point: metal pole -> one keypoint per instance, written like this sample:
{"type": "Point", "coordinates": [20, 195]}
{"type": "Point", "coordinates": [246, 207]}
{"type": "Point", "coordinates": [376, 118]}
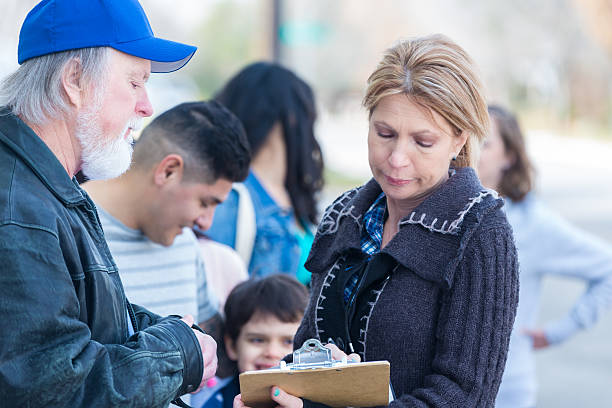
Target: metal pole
{"type": "Point", "coordinates": [276, 22]}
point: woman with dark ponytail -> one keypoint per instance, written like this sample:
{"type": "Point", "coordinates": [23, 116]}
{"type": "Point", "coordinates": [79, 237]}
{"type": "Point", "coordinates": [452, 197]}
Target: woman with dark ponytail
{"type": "Point", "coordinates": [278, 112]}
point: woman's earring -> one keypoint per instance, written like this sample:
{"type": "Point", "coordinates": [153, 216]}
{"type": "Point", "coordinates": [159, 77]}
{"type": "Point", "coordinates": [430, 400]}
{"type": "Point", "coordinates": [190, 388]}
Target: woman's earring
{"type": "Point", "coordinates": [454, 158]}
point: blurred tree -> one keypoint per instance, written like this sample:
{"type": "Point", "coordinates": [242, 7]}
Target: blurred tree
{"type": "Point", "coordinates": [12, 14]}
{"type": "Point", "coordinates": [233, 33]}
{"type": "Point", "coordinates": [598, 17]}
{"type": "Point", "coordinates": [535, 56]}
{"type": "Point", "coordinates": [549, 56]}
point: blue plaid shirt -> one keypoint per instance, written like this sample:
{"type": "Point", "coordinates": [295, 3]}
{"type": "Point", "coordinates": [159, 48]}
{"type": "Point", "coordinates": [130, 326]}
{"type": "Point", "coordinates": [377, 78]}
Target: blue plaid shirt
{"type": "Point", "coordinates": [371, 238]}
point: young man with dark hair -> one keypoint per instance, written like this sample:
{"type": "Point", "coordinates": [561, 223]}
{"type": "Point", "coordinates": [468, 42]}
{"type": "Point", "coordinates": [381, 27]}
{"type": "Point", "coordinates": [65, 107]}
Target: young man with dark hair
{"type": "Point", "coordinates": [183, 166]}
{"type": "Point", "coordinates": [261, 318]}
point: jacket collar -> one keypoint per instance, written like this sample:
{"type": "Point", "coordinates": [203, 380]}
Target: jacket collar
{"type": "Point", "coordinates": [430, 241]}
{"type": "Point", "coordinates": [30, 149]}
{"type": "Point", "coordinates": [446, 209]}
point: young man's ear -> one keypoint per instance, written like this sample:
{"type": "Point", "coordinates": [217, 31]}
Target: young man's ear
{"type": "Point", "coordinates": [230, 348]}
{"type": "Point", "coordinates": [169, 169]}
{"type": "Point", "coordinates": [72, 82]}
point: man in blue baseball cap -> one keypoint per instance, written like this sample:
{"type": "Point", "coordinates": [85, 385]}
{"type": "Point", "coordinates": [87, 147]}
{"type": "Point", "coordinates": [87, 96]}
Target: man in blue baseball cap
{"type": "Point", "coordinates": [69, 336]}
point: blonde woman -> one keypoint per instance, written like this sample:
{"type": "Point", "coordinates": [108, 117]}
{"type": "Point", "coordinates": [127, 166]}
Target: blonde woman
{"type": "Point", "coordinates": [418, 266]}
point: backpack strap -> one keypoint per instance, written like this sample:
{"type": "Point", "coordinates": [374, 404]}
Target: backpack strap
{"type": "Point", "coordinates": [245, 223]}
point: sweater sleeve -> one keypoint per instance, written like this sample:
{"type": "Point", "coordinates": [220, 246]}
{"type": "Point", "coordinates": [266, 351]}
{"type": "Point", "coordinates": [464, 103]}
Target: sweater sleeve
{"type": "Point", "coordinates": [564, 250]}
{"type": "Point", "coordinates": [474, 325]}
{"type": "Point", "coordinates": [307, 329]}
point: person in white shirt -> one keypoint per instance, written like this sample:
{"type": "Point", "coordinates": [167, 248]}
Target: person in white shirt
{"type": "Point", "coordinates": [547, 245]}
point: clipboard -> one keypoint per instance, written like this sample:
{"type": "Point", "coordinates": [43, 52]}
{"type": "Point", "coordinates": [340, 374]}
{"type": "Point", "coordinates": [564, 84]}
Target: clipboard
{"type": "Point", "coordinates": [315, 376]}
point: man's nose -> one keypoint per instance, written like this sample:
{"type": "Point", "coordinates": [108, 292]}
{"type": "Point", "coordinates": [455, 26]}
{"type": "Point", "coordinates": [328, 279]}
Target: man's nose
{"type": "Point", "coordinates": [204, 221]}
{"type": "Point", "coordinates": [143, 106]}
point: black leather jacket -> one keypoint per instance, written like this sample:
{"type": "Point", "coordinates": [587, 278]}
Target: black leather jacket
{"type": "Point", "coordinates": [64, 338]}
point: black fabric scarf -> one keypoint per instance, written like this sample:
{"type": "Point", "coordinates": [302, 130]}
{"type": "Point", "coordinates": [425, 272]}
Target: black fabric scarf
{"type": "Point", "coordinates": [343, 323]}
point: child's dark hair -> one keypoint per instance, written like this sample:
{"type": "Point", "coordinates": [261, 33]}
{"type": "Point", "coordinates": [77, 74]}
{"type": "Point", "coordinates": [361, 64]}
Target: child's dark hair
{"type": "Point", "coordinates": [276, 295]}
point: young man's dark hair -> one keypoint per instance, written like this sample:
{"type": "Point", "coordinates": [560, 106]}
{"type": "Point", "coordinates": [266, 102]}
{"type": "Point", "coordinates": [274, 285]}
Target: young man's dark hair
{"type": "Point", "coordinates": [208, 137]}
{"type": "Point", "coordinates": [278, 295]}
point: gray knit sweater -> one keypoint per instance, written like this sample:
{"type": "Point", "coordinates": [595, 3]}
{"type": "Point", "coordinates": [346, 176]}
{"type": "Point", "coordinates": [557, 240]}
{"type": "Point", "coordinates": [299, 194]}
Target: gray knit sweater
{"type": "Point", "coordinates": [438, 302]}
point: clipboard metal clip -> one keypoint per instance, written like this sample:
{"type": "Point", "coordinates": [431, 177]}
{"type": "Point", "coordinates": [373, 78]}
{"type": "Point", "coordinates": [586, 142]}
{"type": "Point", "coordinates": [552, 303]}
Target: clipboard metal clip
{"type": "Point", "coordinates": [312, 355]}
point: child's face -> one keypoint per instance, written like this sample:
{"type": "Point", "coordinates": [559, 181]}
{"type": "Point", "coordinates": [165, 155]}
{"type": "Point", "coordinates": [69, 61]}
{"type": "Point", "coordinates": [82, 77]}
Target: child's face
{"type": "Point", "coordinates": [263, 342]}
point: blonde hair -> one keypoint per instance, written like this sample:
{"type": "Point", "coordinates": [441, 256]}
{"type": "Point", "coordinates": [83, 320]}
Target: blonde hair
{"type": "Point", "coordinates": [438, 75]}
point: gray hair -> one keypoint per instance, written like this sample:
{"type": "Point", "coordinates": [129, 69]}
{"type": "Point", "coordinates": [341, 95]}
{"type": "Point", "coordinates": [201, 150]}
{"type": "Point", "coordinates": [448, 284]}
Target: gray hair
{"type": "Point", "coordinates": [35, 93]}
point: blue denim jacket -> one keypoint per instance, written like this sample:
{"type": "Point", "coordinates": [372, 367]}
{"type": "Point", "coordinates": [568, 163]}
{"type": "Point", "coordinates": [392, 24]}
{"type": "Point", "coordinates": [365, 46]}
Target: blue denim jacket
{"type": "Point", "coordinates": [65, 339]}
{"type": "Point", "coordinates": [277, 247]}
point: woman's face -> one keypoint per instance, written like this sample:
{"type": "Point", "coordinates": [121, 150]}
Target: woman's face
{"type": "Point", "coordinates": [409, 148]}
{"type": "Point", "coordinates": [494, 159]}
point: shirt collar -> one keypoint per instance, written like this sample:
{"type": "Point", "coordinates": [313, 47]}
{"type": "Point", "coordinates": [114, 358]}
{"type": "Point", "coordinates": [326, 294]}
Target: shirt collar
{"type": "Point", "coordinates": [262, 200]}
{"type": "Point", "coordinates": [373, 223]}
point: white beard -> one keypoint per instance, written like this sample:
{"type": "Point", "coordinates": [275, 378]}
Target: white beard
{"type": "Point", "coordinates": [102, 159]}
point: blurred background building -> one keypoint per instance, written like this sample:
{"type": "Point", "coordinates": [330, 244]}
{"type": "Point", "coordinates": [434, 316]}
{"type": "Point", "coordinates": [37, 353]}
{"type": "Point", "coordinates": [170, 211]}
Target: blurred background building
{"type": "Point", "coordinates": [550, 60]}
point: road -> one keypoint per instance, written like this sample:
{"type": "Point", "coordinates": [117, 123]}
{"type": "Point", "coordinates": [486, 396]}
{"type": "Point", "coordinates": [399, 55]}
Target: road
{"type": "Point", "coordinates": [575, 179]}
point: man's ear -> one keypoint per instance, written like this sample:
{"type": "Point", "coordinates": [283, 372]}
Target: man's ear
{"type": "Point", "coordinates": [169, 169]}
{"type": "Point", "coordinates": [72, 82]}
{"type": "Point", "coordinates": [230, 348]}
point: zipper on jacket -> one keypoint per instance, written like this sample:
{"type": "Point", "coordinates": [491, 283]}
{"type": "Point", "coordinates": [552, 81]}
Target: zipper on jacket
{"type": "Point", "coordinates": [132, 317]}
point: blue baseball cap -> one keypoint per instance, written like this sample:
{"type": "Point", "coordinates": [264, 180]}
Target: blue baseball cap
{"type": "Point", "coordinates": [60, 25]}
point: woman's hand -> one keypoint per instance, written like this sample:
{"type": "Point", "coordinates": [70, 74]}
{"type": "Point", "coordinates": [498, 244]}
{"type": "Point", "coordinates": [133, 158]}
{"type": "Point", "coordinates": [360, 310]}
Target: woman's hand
{"type": "Point", "coordinates": [279, 396]}
{"type": "Point", "coordinates": [238, 402]}
{"type": "Point", "coordinates": [285, 400]}
{"type": "Point", "coordinates": [538, 338]}
{"type": "Point", "coordinates": [338, 354]}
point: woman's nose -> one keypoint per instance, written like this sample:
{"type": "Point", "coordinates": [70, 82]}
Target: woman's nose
{"type": "Point", "coordinates": [400, 155]}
